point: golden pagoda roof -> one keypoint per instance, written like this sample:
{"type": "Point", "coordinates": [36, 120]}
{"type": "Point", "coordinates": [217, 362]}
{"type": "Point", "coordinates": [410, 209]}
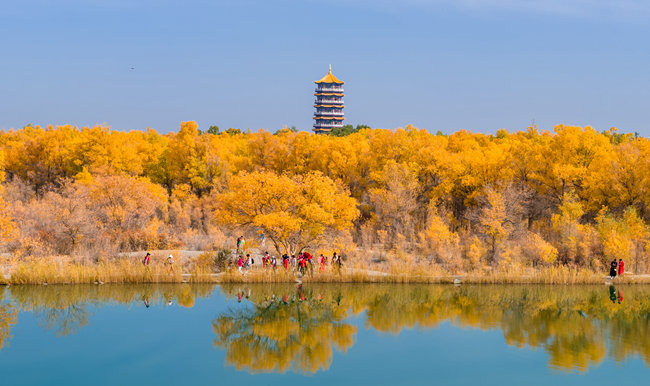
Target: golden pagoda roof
{"type": "Point", "coordinates": [329, 78]}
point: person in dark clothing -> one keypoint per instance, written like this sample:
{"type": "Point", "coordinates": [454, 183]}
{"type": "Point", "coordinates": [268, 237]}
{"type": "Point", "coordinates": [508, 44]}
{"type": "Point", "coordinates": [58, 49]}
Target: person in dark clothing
{"type": "Point", "coordinates": [612, 270]}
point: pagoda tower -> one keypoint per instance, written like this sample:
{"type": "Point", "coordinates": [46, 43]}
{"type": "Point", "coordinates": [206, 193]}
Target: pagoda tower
{"type": "Point", "coordinates": [329, 103]}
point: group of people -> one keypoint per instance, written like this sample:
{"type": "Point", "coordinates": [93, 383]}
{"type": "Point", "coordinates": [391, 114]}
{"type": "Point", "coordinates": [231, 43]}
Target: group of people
{"type": "Point", "coordinates": [169, 262]}
{"type": "Point", "coordinates": [616, 268]}
{"type": "Point", "coordinates": [302, 263]}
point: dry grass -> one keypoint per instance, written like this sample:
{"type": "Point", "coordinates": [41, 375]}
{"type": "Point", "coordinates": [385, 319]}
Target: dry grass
{"type": "Point", "coordinates": [428, 275]}
{"type": "Point", "coordinates": [51, 271]}
{"type": "Point", "coordinates": [57, 270]}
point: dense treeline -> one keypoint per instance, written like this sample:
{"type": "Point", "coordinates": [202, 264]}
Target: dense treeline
{"type": "Point", "coordinates": [464, 201]}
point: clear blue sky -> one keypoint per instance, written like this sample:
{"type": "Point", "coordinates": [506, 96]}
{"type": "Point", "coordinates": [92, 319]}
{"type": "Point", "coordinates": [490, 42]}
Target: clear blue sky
{"type": "Point", "coordinates": [442, 65]}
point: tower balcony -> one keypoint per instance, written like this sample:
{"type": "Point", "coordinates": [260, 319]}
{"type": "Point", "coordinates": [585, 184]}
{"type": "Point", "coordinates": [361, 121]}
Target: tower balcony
{"type": "Point", "coordinates": [320, 101]}
{"type": "Point", "coordinates": [329, 113]}
{"type": "Point", "coordinates": [329, 89]}
{"type": "Point", "coordinates": [328, 125]}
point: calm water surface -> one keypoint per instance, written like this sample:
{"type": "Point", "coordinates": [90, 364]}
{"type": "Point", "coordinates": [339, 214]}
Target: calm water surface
{"type": "Point", "coordinates": [324, 334]}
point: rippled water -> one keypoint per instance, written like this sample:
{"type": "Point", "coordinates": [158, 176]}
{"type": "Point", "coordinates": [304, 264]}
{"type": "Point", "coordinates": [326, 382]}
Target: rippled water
{"type": "Point", "coordinates": [324, 334]}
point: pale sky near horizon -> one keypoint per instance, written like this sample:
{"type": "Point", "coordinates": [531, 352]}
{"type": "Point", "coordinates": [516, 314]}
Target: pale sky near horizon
{"type": "Point", "coordinates": [478, 65]}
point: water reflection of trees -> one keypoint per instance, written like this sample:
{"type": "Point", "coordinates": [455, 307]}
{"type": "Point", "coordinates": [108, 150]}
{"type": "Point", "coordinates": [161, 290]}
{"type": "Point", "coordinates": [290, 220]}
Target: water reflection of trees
{"type": "Point", "coordinates": [67, 309]}
{"type": "Point", "coordinates": [7, 319]}
{"type": "Point", "coordinates": [292, 329]}
{"type": "Point", "coordinates": [281, 327]}
{"type": "Point", "coordinates": [577, 326]}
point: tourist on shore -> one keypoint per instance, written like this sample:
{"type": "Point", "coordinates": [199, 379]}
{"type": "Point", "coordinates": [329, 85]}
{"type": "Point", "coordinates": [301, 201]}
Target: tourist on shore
{"type": "Point", "coordinates": [621, 265]}
{"type": "Point", "coordinates": [302, 263]}
{"type": "Point", "coordinates": [240, 244]}
{"type": "Point", "coordinates": [285, 261]}
{"type": "Point", "coordinates": [274, 263]}
{"type": "Point", "coordinates": [309, 263]}
{"type": "Point", "coordinates": [323, 262]}
{"type": "Point", "coordinates": [170, 262]}
{"type": "Point", "coordinates": [294, 262]}
{"type": "Point", "coordinates": [240, 263]}
{"type": "Point", "coordinates": [249, 261]}
{"type": "Point", "coordinates": [146, 259]}
{"type": "Point", "coordinates": [612, 268]}
{"type": "Point", "coordinates": [338, 260]}
{"type": "Point", "coordinates": [266, 259]}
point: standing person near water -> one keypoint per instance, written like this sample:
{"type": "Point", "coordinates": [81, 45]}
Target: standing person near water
{"type": "Point", "coordinates": [621, 265]}
{"type": "Point", "coordinates": [323, 261]}
{"type": "Point", "coordinates": [170, 262]}
{"type": "Point", "coordinates": [612, 268]}
{"type": "Point", "coordinates": [146, 259]}
{"type": "Point", "coordinates": [240, 244]}
{"type": "Point", "coordinates": [240, 263]}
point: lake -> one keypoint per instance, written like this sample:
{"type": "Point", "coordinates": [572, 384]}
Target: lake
{"type": "Point", "coordinates": [324, 334]}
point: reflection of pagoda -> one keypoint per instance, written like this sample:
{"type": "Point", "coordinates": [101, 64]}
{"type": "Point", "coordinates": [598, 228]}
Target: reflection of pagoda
{"type": "Point", "coordinates": [329, 103]}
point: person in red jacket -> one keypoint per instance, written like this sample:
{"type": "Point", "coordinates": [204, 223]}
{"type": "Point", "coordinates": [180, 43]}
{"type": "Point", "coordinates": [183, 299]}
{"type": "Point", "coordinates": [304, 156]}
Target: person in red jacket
{"type": "Point", "coordinates": [145, 261]}
{"type": "Point", "coordinates": [621, 265]}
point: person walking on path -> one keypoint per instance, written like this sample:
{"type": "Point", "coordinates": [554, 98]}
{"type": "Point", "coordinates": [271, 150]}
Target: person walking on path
{"type": "Point", "coordinates": [338, 261]}
{"type": "Point", "coordinates": [146, 259]}
{"type": "Point", "coordinates": [323, 261]}
{"type": "Point", "coordinates": [612, 268]}
{"type": "Point", "coordinates": [240, 244]}
{"type": "Point", "coordinates": [170, 262]}
{"type": "Point", "coordinates": [240, 263]}
{"type": "Point", "coordinates": [621, 265]}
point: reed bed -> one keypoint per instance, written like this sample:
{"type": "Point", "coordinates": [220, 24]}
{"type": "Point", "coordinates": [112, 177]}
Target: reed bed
{"type": "Point", "coordinates": [124, 270]}
{"type": "Point", "coordinates": [429, 275]}
{"type": "Point", "coordinates": [48, 271]}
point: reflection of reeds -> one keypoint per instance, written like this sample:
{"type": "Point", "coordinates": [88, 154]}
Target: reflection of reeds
{"type": "Point", "coordinates": [38, 298]}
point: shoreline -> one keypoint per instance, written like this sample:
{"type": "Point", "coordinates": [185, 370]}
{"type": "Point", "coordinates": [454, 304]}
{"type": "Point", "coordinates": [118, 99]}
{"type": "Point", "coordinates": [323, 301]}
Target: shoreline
{"type": "Point", "coordinates": [200, 267]}
{"type": "Point", "coordinates": [355, 276]}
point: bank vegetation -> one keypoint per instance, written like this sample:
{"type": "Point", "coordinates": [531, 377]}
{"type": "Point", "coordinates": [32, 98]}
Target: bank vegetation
{"type": "Point", "coordinates": [407, 200]}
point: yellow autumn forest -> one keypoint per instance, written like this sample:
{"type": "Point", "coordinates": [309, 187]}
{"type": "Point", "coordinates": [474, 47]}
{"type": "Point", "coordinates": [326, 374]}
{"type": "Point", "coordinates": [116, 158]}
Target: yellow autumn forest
{"type": "Point", "coordinates": [454, 204]}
